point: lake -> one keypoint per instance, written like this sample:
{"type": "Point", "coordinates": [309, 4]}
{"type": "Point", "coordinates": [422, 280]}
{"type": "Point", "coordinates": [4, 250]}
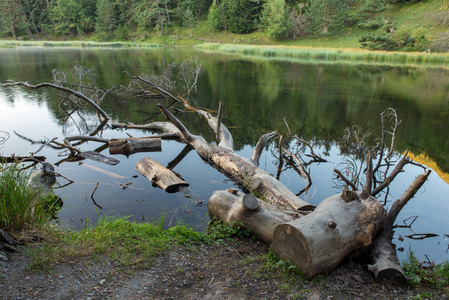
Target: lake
{"type": "Point", "coordinates": [317, 100]}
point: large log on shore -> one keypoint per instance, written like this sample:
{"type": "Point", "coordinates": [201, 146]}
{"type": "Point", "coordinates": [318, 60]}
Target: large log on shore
{"type": "Point", "coordinates": [258, 216]}
{"type": "Point", "coordinates": [318, 242]}
{"type": "Point", "coordinates": [160, 176]}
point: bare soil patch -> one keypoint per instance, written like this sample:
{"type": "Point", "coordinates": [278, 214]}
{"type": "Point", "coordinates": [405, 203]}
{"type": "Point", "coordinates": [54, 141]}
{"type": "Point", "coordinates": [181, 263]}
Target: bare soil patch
{"type": "Point", "coordinates": [231, 270]}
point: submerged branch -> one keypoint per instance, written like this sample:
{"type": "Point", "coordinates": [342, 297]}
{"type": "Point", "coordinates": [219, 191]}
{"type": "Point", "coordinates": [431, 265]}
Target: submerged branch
{"type": "Point", "coordinates": [64, 89]}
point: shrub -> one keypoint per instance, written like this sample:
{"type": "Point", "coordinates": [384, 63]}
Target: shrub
{"type": "Point", "coordinates": [441, 43]}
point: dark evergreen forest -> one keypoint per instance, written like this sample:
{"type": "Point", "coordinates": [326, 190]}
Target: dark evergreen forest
{"type": "Point", "coordinates": [118, 20]}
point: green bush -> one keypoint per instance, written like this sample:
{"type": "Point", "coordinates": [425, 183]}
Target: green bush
{"type": "Point", "coordinates": [217, 17]}
{"type": "Point", "coordinates": [375, 41]}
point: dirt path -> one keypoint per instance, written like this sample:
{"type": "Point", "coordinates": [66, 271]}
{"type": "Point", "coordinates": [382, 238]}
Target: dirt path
{"type": "Point", "coordinates": [223, 271]}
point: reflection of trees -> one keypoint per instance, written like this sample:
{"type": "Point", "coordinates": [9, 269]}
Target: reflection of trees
{"type": "Point", "coordinates": [318, 101]}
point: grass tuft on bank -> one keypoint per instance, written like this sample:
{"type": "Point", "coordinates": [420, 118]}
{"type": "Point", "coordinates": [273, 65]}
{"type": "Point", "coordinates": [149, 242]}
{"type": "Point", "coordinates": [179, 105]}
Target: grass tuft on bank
{"type": "Point", "coordinates": [21, 207]}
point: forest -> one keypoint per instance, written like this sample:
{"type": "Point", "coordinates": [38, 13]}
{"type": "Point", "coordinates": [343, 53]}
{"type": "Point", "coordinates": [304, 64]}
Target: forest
{"type": "Point", "coordinates": [278, 20]}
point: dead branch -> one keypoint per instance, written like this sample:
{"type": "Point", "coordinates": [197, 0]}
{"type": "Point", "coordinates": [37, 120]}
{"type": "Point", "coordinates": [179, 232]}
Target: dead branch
{"type": "Point", "coordinates": [260, 145]}
{"type": "Point", "coordinates": [403, 199]}
{"type": "Point", "coordinates": [180, 157]}
{"type": "Point", "coordinates": [219, 116]}
{"type": "Point", "coordinates": [281, 158]}
{"type": "Point", "coordinates": [346, 180]}
{"type": "Point", "coordinates": [64, 89]}
{"type": "Point", "coordinates": [421, 236]}
{"type": "Point", "coordinates": [4, 138]}
{"type": "Point", "coordinates": [397, 169]}
{"type": "Point", "coordinates": [225, 137]}
{"type": "Point", "coordinates": [386, 266]}
{"type": "Point", "coordinates": [302, 171]}
{"type": "Point", "coordinates": [92, 196]}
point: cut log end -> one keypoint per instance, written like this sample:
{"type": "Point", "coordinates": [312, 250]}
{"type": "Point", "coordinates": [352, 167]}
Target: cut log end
{"type": "Point", "coordinates": [390, 275]}
{"type": "Point", "coordinates": [250, 202]}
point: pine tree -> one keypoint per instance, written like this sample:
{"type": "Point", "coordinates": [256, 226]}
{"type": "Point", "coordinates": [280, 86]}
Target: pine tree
{"type": "Point", "coordinates": [327, 15]}
{"type": "Point", "coordinates": [216, 16]}
{"type": "Point", "coordinates": [275, 19]}
{"type": "Point", "coordinates": [106, 19]}
{"type": "Point", "coordinates": [242, 15]}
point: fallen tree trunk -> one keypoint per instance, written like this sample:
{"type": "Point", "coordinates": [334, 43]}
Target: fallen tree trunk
{"type": "Point", "coordinates": [318, 242]}
{"type": "Point", "coordinates": [241, 169]}
{"type": "Point", "coordinates": [386, 266]}
{"type": "Point", "coordinates": [128, 146]}
{"type": "Point", "coordinates": [160, 176]}
{"type": "Point", "coordinates": [258, 216]}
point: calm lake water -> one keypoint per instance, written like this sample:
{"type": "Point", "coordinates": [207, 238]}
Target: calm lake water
{"type": "Point", "coordinates": [318, 101]}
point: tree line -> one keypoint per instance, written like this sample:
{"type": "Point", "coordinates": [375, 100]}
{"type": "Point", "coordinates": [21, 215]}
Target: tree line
{"type": "Point", "coordinates": [128, 19]}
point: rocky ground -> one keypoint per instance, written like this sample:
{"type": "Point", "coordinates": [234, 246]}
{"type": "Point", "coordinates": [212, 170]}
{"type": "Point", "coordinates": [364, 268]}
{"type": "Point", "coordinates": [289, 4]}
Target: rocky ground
{"type": "Point", "coordinates": [222, 271]}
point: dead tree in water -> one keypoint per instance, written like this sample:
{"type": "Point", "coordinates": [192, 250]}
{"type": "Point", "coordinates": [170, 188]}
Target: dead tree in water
{"type": "Point", "coordinates": [315, 239]}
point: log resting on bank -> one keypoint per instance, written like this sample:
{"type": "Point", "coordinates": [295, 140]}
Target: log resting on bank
{"type": "Point", "coordinates": [241, 169]}
{"type": "Point", "coordinates": [318, 242]}
{"type": "Point", "coordinates": [386, 266]}
{"type": "Point", "coordinates": [258, 216]}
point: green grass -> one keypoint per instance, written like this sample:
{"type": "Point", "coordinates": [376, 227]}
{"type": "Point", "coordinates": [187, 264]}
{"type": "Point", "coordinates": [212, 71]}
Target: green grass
{"type": "Point", "coordinates": [128, 243]}
{"type": "Point", "coordinates": [329, 54]}
{"type": "Point", "coordinates": [419, 273]}
{"type": "Point", "coordinates": [21, 207]}
{"type": "Point", "coordinates": [81, 44]}
{"type": "Point", "coordinates": [116, 239]}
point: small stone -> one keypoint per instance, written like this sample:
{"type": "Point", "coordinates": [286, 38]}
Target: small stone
{"type": "Point", "coordinates": [102, 281]}
{"type": "Point", "coordinates": [61, 277]}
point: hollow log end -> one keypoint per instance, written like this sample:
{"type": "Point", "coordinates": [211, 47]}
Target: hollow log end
{"type": "Point", "coordinates": [392, 276]}
{"type": "Point", "coordinates": [174, 188]}
{"type": "Point", "coordinates": [250, 202]}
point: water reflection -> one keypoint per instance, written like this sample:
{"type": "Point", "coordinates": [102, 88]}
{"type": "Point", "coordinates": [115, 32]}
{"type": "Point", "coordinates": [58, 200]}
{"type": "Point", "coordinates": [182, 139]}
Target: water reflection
{"type": "Point", "coordinates": [318, 101]}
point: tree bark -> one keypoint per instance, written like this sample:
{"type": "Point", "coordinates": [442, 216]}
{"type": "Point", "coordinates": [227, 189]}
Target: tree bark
{"type": "Point", "coordinates": [386, 266]}
{"type": "Point", "coordinates": [318, 242]}
{"type": "Point", "coordinates": [258, 216]}
{"type": "Point", "coordinates": [160, 176]}
{"type": "Point", "coordinates": [128, 146]}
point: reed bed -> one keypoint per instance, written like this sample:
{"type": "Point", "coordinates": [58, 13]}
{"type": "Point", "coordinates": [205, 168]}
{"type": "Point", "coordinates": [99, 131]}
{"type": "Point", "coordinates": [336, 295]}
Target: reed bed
{"type": "Point", "coordinates": [329, 54]}
{"type": "Point", "coordinates": [82, 44]}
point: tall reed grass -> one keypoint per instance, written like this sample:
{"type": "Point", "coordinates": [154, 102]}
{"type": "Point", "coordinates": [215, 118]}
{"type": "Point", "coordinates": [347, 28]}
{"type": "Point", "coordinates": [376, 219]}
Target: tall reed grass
{"type": "Point", "coordinates": [21, 206]}
{"type": "Point", "coordinates": [82, 44]}
{"type": "Point", "coordinates": [329, 54]}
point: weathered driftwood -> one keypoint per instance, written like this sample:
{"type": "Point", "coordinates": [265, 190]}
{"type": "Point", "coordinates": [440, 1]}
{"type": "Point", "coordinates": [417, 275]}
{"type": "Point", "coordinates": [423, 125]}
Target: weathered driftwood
{"type": "Point", "coordinates": [160, 176]}
{"type": "Point", "coordinates": [128, 146]}
{"type": "Point", "coordinates": [386, 266]}
{"type": "Point", "coordinates": [318, 242]}
{"type": "Point", "coordinates": [93, 155]}
{"type": "Point", "coordinates": [241, 169]}
{"type": "Point", "coordinates": [258, 216]}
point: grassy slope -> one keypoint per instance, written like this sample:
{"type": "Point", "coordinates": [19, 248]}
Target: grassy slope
{"type": "Point", "coordinates": [430, 17]}
{"type": "Point", "coordinates": [417, 18]}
